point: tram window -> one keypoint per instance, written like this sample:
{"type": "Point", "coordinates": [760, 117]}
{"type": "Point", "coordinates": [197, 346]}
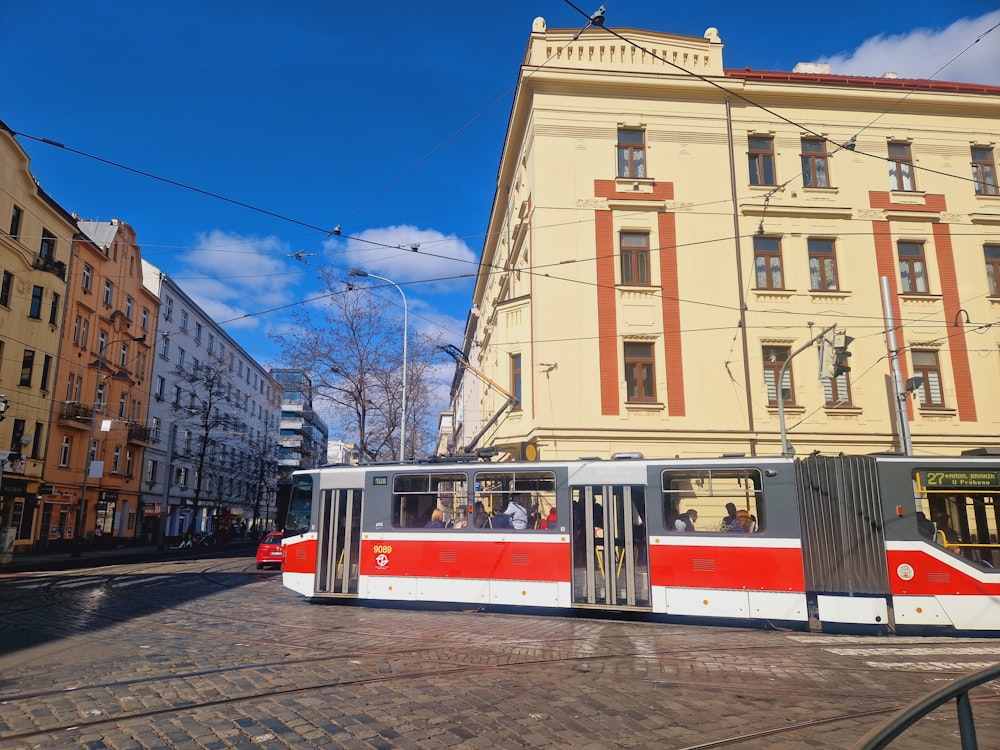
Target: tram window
{"type": "Point", "coordinates": [415, 496]}
{"type": "Point", "coordinates": [727, 500]}
{"type": "Point", "coordinates": [494, 488]}
{"type": "Point", "coordinates": [299, 516]}
{"type": "Point", "coordinates": [965, 523]}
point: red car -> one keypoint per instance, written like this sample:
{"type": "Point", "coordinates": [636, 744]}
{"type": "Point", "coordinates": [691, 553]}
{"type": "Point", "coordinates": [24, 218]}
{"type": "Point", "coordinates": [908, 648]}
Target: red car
{"type": "Point", "coordinates": [269, 552]}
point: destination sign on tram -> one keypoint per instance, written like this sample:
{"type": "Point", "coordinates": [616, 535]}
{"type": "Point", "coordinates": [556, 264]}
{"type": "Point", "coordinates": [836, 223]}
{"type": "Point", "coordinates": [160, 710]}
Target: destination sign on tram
{"type": "Point", "coordinates": [958, 480]}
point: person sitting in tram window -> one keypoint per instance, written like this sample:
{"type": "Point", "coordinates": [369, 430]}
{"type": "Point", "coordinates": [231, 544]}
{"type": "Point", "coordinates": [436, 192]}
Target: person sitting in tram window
{"type": "Point", "coordinates": [950, 535]}
{"type": "Point", "coordinates": [685, 521]}
{"type": "Point", "coordinates": [480, 519]}
{"type": "Point", "coordinates": [437, 520]}
{"type": "Point", "coordinates": [550, 521]}
{"type": "Point", "coordinates": [730, 522]}
{"type": "Point", "coordinates": [925, 528]}
{"type": "Point", "coordinates": [517, 511]}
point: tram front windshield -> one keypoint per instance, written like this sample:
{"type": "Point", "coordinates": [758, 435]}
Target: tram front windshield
{"type": "Point", "coordinates": [299, 518]}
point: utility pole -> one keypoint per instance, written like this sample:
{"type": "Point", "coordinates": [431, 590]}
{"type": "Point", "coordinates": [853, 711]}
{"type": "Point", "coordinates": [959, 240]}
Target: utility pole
{"type": "Point", "coordinates": [899, 390]}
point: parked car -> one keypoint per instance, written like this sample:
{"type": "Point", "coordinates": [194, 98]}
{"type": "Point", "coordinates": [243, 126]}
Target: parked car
{"type": "Point", "coordinates": [269, 551]}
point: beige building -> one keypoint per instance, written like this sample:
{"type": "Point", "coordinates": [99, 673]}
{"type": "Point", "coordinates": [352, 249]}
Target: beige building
{"type": "Point", "coordinates": [35, 238]}
{"type": "Point", "coordinates": [667, 234]}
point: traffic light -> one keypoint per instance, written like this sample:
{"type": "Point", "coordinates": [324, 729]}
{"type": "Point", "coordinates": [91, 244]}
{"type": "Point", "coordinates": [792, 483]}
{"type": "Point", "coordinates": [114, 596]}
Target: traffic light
{"type": "Point", "coordinates": [827, 355]}
{"type": "Point", "coordinates": [840, 343]}
{"type": "Point", "coordinates": [833, 355]}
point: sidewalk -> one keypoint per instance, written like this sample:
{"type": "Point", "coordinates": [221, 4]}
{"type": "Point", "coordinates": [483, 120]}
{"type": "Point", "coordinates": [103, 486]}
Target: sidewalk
{"type": "Point", "coordinates": [33, 562]}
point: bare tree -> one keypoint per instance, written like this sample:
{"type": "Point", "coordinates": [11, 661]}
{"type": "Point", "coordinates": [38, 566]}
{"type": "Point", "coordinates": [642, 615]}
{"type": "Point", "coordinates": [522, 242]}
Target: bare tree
{"type": "Point", "coordinates": [352, 344]}
{"type": "Point", "coordinates": [207, 406]}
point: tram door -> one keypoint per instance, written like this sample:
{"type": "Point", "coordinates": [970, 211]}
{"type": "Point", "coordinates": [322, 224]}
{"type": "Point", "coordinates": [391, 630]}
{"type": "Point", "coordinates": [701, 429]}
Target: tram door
{"type": "Point", "coordinates": [339, 542]}
{"type": "Point", "coordinates": [610, 546]}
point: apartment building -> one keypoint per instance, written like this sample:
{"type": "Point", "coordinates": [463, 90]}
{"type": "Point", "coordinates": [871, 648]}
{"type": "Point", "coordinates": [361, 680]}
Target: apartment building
{"type": "Point", "coordinates": [36, 235]}
{"type": "Point", "coordinates": [101, 390]}
{"type": "Point", "coordinates": [670, 241]}
{"type": "Point", "coordinates": [214, 416]}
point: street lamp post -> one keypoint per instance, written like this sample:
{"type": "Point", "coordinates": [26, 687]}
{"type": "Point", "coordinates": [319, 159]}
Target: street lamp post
{"type": "Point", "coordinates": [402, 418]}
{"type": "Point", "coordinates": [77, 546]}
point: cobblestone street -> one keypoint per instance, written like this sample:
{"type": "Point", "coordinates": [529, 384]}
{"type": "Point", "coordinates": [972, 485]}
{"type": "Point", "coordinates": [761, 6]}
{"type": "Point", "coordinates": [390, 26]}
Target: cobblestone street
{"type": "Point", "coordinates": [211, 654]}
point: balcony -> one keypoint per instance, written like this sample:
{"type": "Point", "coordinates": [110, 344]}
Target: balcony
{"type": "Point", "coordinates": [74, 411]}
{"type": "Point", "coordinates": [137, 433]}
{"type": "Point", "coordinates": [50, 264]}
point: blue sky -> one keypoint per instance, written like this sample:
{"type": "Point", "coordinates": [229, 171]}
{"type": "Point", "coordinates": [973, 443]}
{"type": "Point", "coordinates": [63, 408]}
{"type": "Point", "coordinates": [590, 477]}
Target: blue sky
{"type": "Point", "coordinates": [385, 118]}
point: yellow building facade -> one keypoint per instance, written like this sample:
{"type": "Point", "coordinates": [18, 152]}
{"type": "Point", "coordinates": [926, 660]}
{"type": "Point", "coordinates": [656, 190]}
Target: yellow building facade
{"type": "Point", "coordinates": [36, 235]}
{"type": "Point", "coordinates": [669, 237]}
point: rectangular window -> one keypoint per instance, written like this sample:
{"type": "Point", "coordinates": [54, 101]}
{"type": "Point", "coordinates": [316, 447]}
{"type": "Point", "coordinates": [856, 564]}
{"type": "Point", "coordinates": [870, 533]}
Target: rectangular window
{"type": "Point", "coordinates": [177, 396]}
{"type": "Point", "coordinates": [27, 366]}
{"type": "Point", "coordinates": [815, 168]}
{"type": "Point", "coordinates": [711, 492]}
{"type": "Point", "coordinates": [83, 333]}
{"type": "Point", "coordinates": [515, 378]}
{"type": "Point", "coordinates": [165, 347]}
{"type": "Point", "coordinates": [54, 309]}
{"type": "Point", "coordinates": [154, 429]}
{"type": "Point", "coordinates": [5, 286]}
{"type": "Point", "coordinates": [822, 265]}
{"type": "Point", "coordinates": [168, 308]}
{"type": "Point", "coordinates": [36, 443]}
{"type": "Point", "coordinates": [760, 157]}
{"type": "Point", "coordinates": [128, 463]}
{"type": "Point", "coordinates": [184, 320]}
{"type": "Point", "coordinates": [912, 269]}
{"type": "Point", "coordinates": [64, 450]}
{"type": "Point", "coordinates": [15, 222]}
{"type": "Point", "coordinates": [35, 311]}
{"type": "Point", "coordinates": [631, 153]}
{"type": "Point", "coordinates": [76, 330]}
{"type": "Point", "coordinates": [99, 395]}
{"type": "Point", "coordinates": [160, 385]}
{"type": "Point", "coordinates": [47, 247]}
{"type": "Point", "coordinates": [774, 358]}
{"type": "Point", "coordinates": [152, 469]}
{"type": "Point", "coordinates": [984, 171]}
{"type": "Point", "coordinates": [102, 342]}
{"type": "Point", "coordinates": [926, 366]}
{"type": "Point", "coordinates": [837, 391]}
{"type": "Point", "coordinates": [109, 289]}
{"type": "Point", "coordinates": [767, 262]}
{"type": "Point", "coordinates": [900, 166]}
{"type": "Point", "coordinates": [181, 354]}
{"type": "Point", "coordinates": [46, 369]}
{"type": "Point", "coordinates": [992, 253]}
{"type": "Point", "coordinates": [634, 258]}
{"type": "Point", "coordinates": [144, 321]}
{"type": "Point", "coordinates": [123, 406]}
{"type": "Point", "coordinates": [499, 491]}
{"type": "Point", "coordinates": [640, 372]}
{"type": "Point", "coordinates": [129, 308]}
{"type": "Point", "coordinates": [197, 333]}
{"type": "Point", "coordinates": [116, 459]}
{"type": "Point", "coordinates": [123, 355]}
{"type": "Point", "coordinates": [88, 274]}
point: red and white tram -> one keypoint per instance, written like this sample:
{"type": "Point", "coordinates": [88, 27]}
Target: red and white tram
{"type": "Point", "coordinates": [842, 544]}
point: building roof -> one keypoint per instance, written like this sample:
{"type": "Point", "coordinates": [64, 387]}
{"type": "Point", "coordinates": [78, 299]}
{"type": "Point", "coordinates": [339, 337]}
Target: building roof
{"type": "Point", "coordinates": [886, 82]}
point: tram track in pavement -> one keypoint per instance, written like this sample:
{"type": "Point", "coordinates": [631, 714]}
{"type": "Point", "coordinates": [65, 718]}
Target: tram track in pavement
{"type": "Point", "coordinates": [420, 650]}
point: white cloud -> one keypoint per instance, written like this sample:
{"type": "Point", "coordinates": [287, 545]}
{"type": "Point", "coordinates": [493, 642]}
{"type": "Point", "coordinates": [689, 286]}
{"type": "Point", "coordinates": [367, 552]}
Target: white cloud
{"type": "Point", "coordinates": [444, 259]}
{"type": "Point", "coordinates": [921, 53]}
{"type": "Point", "coordinates": [230, 275]}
